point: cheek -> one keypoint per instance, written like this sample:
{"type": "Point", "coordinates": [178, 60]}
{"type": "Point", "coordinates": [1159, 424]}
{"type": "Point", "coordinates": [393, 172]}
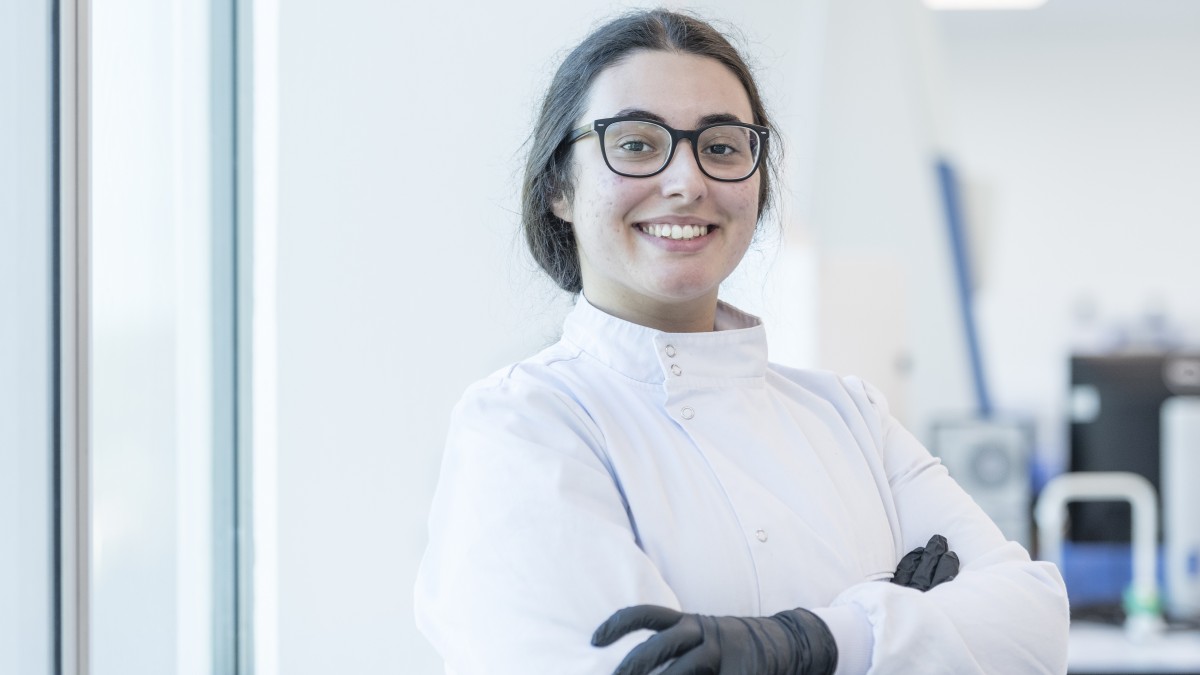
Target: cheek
{"type": "Point", "coordinates": [750, 204]}
{"type": "Point", "coordinates": [745, 205]}
{"type": "Point", "coordinates": [599, 217]}
{"type": "Point", "coordinates": [606, 202]}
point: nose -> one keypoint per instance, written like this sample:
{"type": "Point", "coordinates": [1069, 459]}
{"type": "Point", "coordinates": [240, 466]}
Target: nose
{"type": "Point", "coordinates": [683, 177]}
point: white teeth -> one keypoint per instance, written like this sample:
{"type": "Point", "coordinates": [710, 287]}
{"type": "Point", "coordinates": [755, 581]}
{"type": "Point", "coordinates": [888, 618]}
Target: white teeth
{"type": "Point", "coordinates": [676, 231]}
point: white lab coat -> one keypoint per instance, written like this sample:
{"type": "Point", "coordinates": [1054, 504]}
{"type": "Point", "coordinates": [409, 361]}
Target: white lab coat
{"type": "Point", "coordinates": [624, 466]}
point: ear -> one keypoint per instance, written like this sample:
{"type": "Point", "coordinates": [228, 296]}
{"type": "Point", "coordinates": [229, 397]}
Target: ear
{"type": "Point", "coordinates": [561, 207]}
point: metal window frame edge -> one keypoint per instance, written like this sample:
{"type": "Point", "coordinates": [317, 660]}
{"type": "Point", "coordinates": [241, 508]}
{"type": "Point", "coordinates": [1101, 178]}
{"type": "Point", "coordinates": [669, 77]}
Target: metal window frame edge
{"type": "Point", "coordinates": [230, 102]}
{"type": "Point", "coordinates": [74, 343]}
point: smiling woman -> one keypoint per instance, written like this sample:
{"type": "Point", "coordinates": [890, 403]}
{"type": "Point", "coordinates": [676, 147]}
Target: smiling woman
{"type": "Point", "coordinates": [628, 268]}
{"type": "Point", "coordinates": [653, 470]}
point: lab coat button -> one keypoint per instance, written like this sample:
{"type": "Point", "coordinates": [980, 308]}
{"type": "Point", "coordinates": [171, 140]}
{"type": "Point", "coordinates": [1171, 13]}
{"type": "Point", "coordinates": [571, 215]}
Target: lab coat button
{"type": "Point", "coordinates": [687, 413]}
{"type": "Point", "coordinates": [762, 535]}
{"type": "Point", "coordinates": [676, 369]}
{"type": "Point", "coordinates": [670, 350]}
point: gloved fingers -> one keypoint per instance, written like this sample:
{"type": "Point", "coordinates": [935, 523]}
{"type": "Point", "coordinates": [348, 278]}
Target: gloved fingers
{"type": "Point", "coordinates": [659, 649]}
{"type": "Point", "coordinates": [937, 545]}
{"type": "Point", "coordinates": [947, 569]}
{"type": "Point", "coordinates": [627, 620]}
{"type": "Point", "coordinates": [908, 565]}
{"type": "Point", "coordinates": [703, 660]}
{"type": "Point", "coordinates": [922, 577]}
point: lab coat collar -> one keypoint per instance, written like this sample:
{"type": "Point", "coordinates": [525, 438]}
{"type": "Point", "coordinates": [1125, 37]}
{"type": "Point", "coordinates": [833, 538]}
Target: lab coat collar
{"type": "Point", "coordinates": [735, 352]}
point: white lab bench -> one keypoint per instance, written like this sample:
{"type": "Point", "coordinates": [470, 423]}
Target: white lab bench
{"type": "Point", "coordinates": [1097, 648]}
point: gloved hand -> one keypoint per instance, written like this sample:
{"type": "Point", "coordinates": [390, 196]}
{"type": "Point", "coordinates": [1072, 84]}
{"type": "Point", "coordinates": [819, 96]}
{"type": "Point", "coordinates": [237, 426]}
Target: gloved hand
{"type": "Point", "coordinates": [927, 566]}
{"type": "Point", "coordinates": [795, 642]}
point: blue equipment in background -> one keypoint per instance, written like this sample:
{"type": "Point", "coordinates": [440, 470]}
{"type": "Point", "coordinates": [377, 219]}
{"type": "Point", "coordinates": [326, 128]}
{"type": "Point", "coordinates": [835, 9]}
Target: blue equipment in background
{"type": "Point", "coordinates": [952, 206]}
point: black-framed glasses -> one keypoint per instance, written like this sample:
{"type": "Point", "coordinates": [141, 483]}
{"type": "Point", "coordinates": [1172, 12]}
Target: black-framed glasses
{"type": "Point", "coordinates": [638, 148]}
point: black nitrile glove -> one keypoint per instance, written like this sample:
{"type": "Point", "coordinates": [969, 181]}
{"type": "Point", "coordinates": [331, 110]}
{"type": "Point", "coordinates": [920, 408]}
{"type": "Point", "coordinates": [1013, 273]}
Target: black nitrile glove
{"type": "Point", "coordinates": [927, 566]}
{"type": "Point", "coordinates": [795, 642]}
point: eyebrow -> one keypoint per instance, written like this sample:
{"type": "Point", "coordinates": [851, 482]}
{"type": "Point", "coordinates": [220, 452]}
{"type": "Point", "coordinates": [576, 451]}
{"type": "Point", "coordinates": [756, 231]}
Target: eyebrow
{"type": "Point", "coordinates": [714, 118]}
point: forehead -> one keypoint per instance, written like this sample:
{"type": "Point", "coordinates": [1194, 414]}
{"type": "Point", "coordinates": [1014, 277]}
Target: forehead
{"type": "Point", "coordinates": [682, 88]}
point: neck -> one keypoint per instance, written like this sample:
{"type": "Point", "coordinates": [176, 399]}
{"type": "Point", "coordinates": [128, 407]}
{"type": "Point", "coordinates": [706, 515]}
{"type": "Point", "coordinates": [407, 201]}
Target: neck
{"type": "Point", "coordinates": [692, 316]}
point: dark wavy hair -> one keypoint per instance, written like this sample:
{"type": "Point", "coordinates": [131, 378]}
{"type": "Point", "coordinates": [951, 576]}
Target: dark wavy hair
{"type": "Point", "coordinates": [547, 167]}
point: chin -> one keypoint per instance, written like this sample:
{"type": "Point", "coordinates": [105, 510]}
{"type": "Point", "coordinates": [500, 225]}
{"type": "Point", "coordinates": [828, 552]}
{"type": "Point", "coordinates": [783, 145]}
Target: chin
{"type": "Point", "coordinates": [684, 293]}
{"type": "Point", "coordinates": [687, 284]}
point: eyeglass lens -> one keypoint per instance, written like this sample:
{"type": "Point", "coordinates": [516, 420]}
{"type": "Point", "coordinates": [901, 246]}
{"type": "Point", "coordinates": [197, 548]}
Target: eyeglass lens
{"type": "Point", "coordinates": [639, 148]}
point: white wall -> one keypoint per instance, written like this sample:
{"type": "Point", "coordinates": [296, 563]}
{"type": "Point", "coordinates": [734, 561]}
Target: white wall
{"type": "Point", "coordinates": [887, 306]}
{"type": "Point", "coordinates": [402, 278]}
{"type": "Point", "coordinates": [1078, 128]}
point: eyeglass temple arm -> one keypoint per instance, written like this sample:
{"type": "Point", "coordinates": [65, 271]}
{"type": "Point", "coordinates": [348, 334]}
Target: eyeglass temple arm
{"type": "Point", "coordinates": [579, 133]}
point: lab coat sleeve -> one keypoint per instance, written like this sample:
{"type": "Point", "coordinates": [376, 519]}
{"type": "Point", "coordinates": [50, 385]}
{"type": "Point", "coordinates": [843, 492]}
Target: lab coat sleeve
{"type": "Point", "coordinates": [530, 546]}
{"type": "Point", "coordinates": [1004, 613]}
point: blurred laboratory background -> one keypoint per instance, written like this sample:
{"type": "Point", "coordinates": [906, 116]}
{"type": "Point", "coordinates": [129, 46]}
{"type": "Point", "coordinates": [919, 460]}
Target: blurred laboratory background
{"type": "Point", "coordinates": [252, 252]}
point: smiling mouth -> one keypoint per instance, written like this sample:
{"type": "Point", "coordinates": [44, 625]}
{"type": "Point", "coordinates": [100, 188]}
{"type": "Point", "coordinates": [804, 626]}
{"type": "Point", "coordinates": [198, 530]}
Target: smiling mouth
{"type": "Point", "coordinates": [668, 231]}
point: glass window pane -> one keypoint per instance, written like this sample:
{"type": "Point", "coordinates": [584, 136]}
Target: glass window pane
{"type": "Point", "coordinates": [155, 361]}
{"type": "Point", "coordinates": [27, 601]}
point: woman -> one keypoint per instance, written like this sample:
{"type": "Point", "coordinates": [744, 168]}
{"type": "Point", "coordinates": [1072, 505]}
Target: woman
{"type": "Point", "coordinates": [653, 471]}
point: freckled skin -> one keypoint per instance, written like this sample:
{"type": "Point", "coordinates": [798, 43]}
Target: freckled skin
{"type": "Point", "coordinates": [625, 272]}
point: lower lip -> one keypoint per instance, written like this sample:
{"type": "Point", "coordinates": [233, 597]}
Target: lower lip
{"type": "Point", "coordinates": [680, 245]}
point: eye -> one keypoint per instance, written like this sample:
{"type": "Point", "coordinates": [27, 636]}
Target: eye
{"type": "Point", "coordinates": [634, 145]}
{"type": "Point", "coordinates": [727, 143]}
